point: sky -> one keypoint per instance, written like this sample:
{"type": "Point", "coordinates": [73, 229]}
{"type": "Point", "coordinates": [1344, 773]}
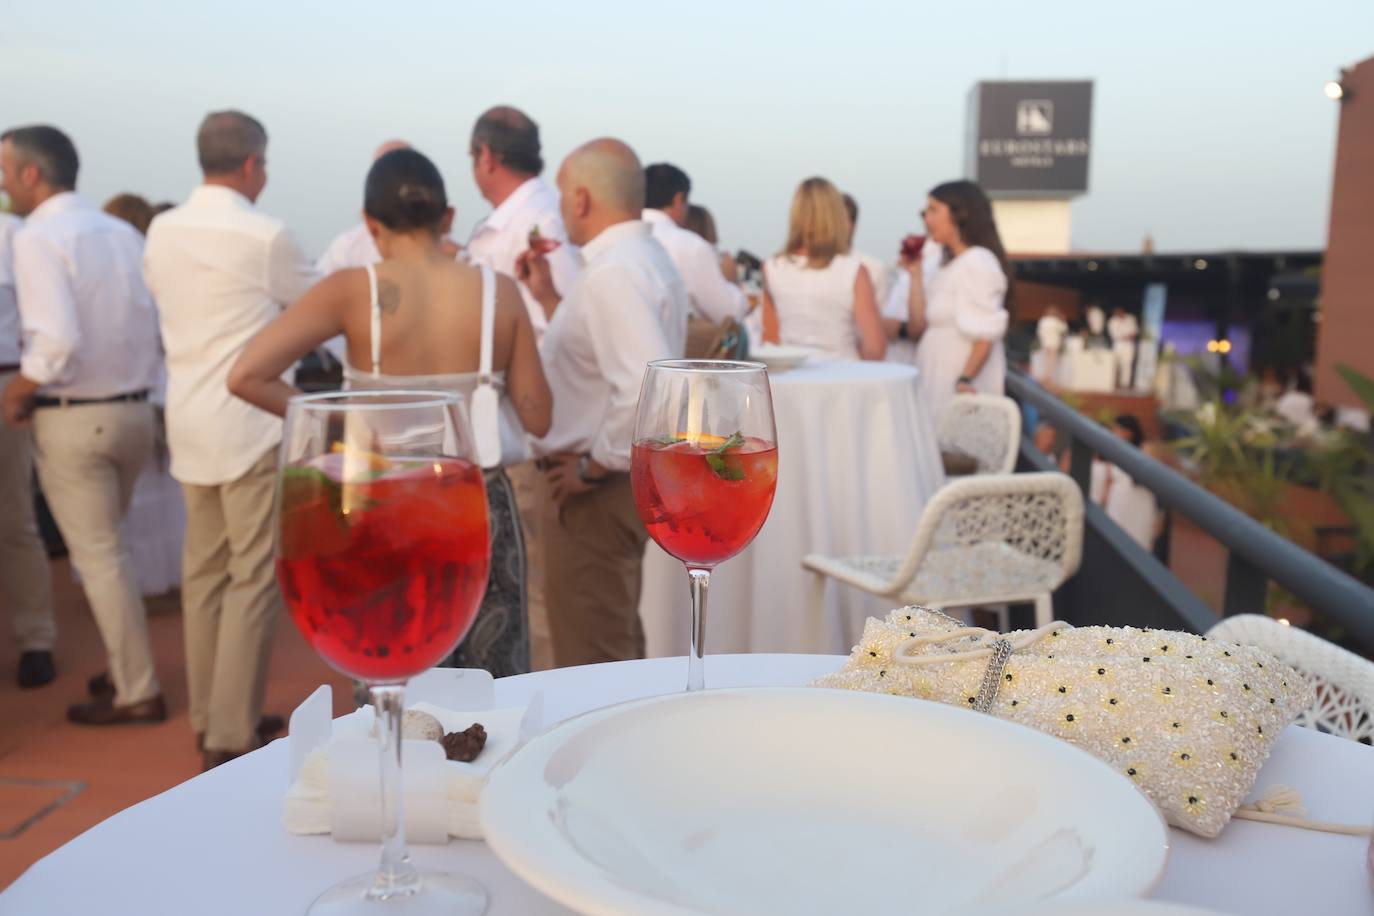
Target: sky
{"type": "Point", "coordinates": [1210, 129]}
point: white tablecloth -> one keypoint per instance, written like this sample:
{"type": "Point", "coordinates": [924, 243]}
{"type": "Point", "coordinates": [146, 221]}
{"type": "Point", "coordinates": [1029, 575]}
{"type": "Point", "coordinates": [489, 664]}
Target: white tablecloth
{"type": "Point", "coordinates": [857, 460]}
{"type": "Point", "coordinates": [214, 845]}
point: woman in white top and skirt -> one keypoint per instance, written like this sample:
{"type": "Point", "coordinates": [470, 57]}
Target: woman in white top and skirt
{"type": "Point", "coordinates": [817, 294]}
{"type": "Point", "coordinates": [959, 316]}
{"type": "Point", "coordinates": [430, 323]}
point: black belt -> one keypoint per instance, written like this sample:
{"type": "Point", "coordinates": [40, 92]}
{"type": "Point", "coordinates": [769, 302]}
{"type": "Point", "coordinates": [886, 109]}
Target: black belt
{"type": "Point", "coordinates": [132, 396]}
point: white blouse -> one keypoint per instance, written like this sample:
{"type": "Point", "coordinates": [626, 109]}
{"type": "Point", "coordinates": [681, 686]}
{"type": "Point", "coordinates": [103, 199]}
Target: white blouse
{"type": "Point", "coordinates": [965, 302]}
{"type": "Point", "coordinates": [815, 304]}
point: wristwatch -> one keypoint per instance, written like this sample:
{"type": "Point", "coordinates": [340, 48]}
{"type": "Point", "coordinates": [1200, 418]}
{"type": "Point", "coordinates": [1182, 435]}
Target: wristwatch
{"type": "Point", "coordinates": [903, 331]}
{"type": "Point", "coordinates": [582, 462]}
{"type": "Point", "coordinates": [962, 380]}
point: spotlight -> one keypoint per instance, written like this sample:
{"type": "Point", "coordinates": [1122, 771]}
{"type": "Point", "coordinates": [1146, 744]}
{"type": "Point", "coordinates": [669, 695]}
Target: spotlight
{"type": "Point", "coordinates": [1223, 346]}
{"type": "Point", "coordinates": [1338, 90]}
{"type": "Point", "coordinates": [1273, 294]}
{"type": "Point", "coordinates": [1212, 346]}
{"type": "Point", "coordinates": [1200, 263]}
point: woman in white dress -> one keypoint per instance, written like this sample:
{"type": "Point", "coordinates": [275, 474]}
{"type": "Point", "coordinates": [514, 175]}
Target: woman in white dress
{"type": "Point", "coordinates": [959, 316]}
{"type": "Point", "coordinates": [416, 320]}
{"type": "Point", "coordinates": [816, 293]}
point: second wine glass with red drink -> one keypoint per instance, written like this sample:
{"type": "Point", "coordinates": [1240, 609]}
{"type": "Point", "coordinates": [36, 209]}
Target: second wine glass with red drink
{"type": "Point", "coordinates": [704, 469]}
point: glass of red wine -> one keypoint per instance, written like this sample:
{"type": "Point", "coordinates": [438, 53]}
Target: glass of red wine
{"type": "Point", "coordinates": [704, 469]}
{"type": "Point", "coordinates": [382, 555]}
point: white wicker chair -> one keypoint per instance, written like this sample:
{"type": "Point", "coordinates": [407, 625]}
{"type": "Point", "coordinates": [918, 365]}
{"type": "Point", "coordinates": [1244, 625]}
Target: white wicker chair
{"type": "Point", "coordinates": [982, 540]}
{"type": "Point", "coordinates": [1344, 681]}
{"type": "Point", "coordinates": [986, 427]}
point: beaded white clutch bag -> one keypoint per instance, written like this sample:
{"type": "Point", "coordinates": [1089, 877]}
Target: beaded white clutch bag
{"type": "Point", "coordinates": [1191, 720]}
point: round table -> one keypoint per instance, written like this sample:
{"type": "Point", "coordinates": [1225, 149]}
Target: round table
{"type": "Point", "coordinates": [857, 460]}
{"type": "Point", "coordinates": [215, 845]}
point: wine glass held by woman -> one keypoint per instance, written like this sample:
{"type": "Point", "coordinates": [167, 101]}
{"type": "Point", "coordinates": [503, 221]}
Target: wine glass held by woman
{"type": "Point", "coordinates": [960, 315]}
{"type": "Point", "coordinates": [816, 292]}
{"type": "Point", "coordinates": [415, 321]}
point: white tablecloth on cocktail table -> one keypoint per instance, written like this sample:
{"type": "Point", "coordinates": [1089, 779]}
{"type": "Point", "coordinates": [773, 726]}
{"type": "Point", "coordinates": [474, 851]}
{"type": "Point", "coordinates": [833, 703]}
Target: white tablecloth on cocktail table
{"type": "Point", "coordinates": [214, 846]}
{"type": "Point", "coordinates": [857, 460]}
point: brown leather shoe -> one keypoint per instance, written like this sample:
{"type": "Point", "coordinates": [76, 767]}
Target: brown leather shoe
{"type": "Point", "coordinates": [104, 712]}
{"type": "Point", "coordinates": [212, 759]}
{"type": "Point", "coordinates": [100, 685]}
{"type": "Point", "coordinates": [269, 727]}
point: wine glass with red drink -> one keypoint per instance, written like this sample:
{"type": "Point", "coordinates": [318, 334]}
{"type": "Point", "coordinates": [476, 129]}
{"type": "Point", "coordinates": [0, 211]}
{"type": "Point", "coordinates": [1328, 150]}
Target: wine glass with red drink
{"type": "Point", "coordinates": [382, 555]}
{"type": "Point", "coordinates": [704, 468]}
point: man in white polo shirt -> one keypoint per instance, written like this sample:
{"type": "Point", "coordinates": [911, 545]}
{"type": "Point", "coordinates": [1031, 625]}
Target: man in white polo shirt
{"type": "Point", "coordinates": [627, 308]}
{"type": "Point", "coordinates": [221, 270]}
{"type": "Point", "coordinates": [90, 357]}
{"type": "Point", "coordinates": [714, 297]}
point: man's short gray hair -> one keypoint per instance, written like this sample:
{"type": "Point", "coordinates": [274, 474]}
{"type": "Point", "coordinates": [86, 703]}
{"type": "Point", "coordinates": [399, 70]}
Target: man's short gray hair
{"type": "Point", "coordinates": [512, 137]}
{"type": "Point", "coordinates": [226, 139]}
{"type": "Point", "coordinates": [47, 148]}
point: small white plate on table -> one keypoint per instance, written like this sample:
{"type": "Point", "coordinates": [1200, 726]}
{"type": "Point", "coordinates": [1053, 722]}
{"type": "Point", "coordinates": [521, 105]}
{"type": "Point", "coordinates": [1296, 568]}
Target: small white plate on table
{"type": "Point", "coordinates": [779, 358]}
{"type": "Point", "coordinates": [808, 801]}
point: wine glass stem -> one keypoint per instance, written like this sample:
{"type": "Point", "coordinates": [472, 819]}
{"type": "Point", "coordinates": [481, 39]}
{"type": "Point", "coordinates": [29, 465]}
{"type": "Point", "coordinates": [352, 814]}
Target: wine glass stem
{"type": "Point", "coordinates": [696, 662]}
{"type": "Point", "coordinates": [395, 876]}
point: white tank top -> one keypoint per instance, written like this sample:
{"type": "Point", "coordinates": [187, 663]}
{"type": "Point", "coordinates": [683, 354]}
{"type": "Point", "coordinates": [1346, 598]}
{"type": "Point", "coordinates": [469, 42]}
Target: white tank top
{"type": "Point", "coordinates": [815, 304]}
{"type": "Point", "coordinates": [512, 434]}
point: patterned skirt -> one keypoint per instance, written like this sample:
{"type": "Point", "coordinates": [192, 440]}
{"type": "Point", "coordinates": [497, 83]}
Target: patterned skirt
{"type": "Point", "coordinates": [499, 640]}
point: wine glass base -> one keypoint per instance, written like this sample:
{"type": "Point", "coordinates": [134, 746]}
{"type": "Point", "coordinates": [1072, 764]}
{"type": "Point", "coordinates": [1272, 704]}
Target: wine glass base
{"type": "Point", "coordinates": [439, 893]}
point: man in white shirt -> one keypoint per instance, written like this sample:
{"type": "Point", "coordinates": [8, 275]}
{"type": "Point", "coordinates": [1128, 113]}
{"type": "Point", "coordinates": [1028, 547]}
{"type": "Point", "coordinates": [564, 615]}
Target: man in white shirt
{"type": "Point", "coordinates": [1123, 328]}
{"type": "Point", "coordinates": [221, 270]}
{"type": "Point", "coordinates": [90, 357]}
{"type": "Point", "coordinates": [878, 272]}
{"type": "Point", "coordinates": [713, 296]}
{"type": "Point", "coordinates": [354, 246]}
{"type": "Point", "coordinates": [24, 581]}
{"type": "Point", "coordinates": [628, 307]}
{"type": "Point", "coordinates": [506, 163]}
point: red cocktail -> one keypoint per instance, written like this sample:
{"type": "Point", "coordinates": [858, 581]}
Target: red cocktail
{"type": "Point", "coordinates": [703, 465]}
{"type": "Point", "coordinates": [704, 499]}
{"type": "Point", "coordinates": [383, 573]}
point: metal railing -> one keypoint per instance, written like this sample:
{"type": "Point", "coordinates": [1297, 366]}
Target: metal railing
{"type": "Point", "coordinates": [1256, 555]}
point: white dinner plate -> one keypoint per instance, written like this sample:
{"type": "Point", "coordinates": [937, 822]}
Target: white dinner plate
{"type": "Point", "coordinates": [808, 801]}
{"type": "Point", "coordinates": [779, 358]}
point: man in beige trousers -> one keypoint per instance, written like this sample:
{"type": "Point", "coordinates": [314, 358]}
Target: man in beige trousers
{"type": "Point", "coordinates": [89, 360]}
{"type": "Point", "coordinates": [221, 270]}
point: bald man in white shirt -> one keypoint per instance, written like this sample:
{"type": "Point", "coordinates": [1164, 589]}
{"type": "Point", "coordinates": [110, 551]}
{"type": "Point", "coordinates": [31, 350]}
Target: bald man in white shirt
{"type": "Point", "coordinates": [24, 581]}
{"type": "Point", "coordinates": [628, 307]}
{"type": "Point", "coordinates": [90, 358]}
{"type": "Point", "coordinates": [221, 271]}
{"type": "Point", "coordinates": [714, 297]}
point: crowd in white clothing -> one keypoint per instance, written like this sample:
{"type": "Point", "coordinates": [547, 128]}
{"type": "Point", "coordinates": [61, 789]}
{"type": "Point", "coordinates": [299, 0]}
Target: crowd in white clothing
{"type": "Point", "coordinates": [606, 269]}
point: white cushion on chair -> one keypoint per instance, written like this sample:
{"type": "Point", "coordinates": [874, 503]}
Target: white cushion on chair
{"type": "Point", "coordinates": [989, 569]}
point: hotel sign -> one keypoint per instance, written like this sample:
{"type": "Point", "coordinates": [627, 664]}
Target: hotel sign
{"type": "Point", "coordinates": [1030, 139]}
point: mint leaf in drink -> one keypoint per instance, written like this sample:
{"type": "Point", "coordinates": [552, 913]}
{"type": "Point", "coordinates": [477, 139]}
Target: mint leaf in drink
{"type": "Point", "coordinates": [726, 467]}
{"type": "Point", "coordinates": [667, 440]}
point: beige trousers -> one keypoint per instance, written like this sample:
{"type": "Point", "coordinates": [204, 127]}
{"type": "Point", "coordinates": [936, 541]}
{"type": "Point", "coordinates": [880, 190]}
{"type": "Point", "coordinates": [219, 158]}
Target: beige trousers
{"type": "Point", "coordinates": [527, 482]}
{"type": "Point", "coordinates": [230, 604]}
{"type": "Point", "coordinates": [88, 458]}
{"type": "Point", "coordinates": [594, 557]}
{"type": "Point", "coordinates": [25, 586]}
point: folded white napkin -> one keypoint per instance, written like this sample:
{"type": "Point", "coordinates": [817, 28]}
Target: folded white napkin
{"type": "Point", "coordinates": [335, 786]}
